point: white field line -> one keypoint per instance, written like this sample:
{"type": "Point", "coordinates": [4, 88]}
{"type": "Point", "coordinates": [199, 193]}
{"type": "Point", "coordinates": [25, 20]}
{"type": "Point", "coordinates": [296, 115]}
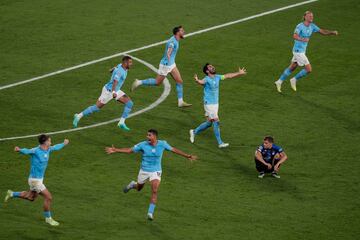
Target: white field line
{"type": "Point", "coordinates": [154, 45]}
{"type": "Point", "coordinates": [165, 93]}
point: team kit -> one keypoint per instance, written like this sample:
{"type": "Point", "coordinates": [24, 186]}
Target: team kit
{"type": "Point", "coordinates": [268, 156]}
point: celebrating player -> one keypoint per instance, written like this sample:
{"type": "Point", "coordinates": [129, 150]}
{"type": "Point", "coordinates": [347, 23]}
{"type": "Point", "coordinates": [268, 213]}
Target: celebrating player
{"type": "Point", "coordinates": [269, 157]}
{"type": "Point", "coordinates": [302, 34]}
{"type": "Point", "coordinates": [39, 157]}
{"type": "Point", "coordinates": [211, 101]}
{"type": "Point", "coordinates": [152, 151]}
{"type": "Point", "coordinates": [111, 90]}
{"type": "Point", "coordinates": [167, 65]}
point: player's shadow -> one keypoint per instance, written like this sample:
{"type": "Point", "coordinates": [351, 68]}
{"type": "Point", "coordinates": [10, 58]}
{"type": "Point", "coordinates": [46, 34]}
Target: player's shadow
{"type": "Point", "coordinates": [156, 230]}
{"type": "Point", "coordinates": [350, 125]}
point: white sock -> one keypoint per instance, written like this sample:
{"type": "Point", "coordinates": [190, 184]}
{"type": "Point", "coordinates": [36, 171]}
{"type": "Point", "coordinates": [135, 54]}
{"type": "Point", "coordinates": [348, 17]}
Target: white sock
{"type": "Point", "coordinates": [279, 81]}
{"type": "Point", "coordinates": [80, 115]}
{"type": "Point", "coordinates": [139, 82]}
{"type": "Point", "coordinates": [180, 101]}
{"type": "Point", "coordinates": [122, 120]}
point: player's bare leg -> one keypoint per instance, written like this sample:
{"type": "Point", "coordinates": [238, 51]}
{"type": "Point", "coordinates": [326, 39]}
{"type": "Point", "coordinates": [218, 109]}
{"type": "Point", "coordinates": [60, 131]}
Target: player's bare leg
{"type": "Point", "coordinates": [153, 200]}
{"type": "Point", "coordinates": [26, 195]}
{"type": "Point", "coordinates": [47, 203]}
{"type": "Point", "coordinates": [175, 73]}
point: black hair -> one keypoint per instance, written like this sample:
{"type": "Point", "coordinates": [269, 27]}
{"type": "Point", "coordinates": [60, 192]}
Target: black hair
{"type": "Point", "coordinates": [205, 68]}
{"type": "Point", "coordinates": [43, 138]}
{"type": "Point", "coordinates": [176, 29]}
{"type": "Point", "coordinates": [269, 139]}
{"type": "Point", "coordinates": [153, 131]}
{"type": "Point", "coordinates": [126, 58]}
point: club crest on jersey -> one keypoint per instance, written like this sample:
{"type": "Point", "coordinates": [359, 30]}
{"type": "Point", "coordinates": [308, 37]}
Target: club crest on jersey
{"type": "Point", "coordinates": [153, 150]}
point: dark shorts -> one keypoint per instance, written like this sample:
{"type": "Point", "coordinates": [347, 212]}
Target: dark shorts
{"type": "Point", "coordinates": [260, 167]}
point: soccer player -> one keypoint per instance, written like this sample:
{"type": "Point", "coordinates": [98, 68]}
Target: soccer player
{"type": "Point", "coordinates": [269, 157]}
{"type": "Point", "coordinates": [39, 157]}
{"type": "Point", "coordinates": [111, 90]}
{"type": "Point", "coordinates": [211, 84]}
{"type": "Point", "coordinates": [152, 151]}
{"type": "Point", "coordinates": [302, 34]}
{"type": "Point", "coordinates": [167, 65]}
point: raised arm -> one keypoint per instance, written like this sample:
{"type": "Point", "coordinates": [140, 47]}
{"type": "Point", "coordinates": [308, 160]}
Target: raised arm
{"type": "Point", "coordinates": [181, 153]}
{"type": "Point", "coordinates": [298, 38]}
{"type": "Point", "coordinates": [197, 80]}
{"type": "Point", "coordinates": [328, 32]}
{"type": "Point", "coordinates": [112, 149]}
{"type": "Point", "coordinates": [59, 146]}
{"type": "Point", "coordinates": [241, 72]}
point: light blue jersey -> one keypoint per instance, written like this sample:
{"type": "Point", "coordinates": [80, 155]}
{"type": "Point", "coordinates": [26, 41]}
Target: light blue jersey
{"type": "Point", "coordinates": [211, 89]}
{"type": "Point", "coordinates": [151, 155]}
{"type": "Point", "coordinates": [304, 32]}
{"type": "Point", "coordinates": [174, 44]}
{"type": "Point", "coordinates": [119, 74]}
{"type": "Point", "coordinates": [39, 159]}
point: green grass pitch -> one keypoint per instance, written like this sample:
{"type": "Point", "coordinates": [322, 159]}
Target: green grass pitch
{"type": "Point", "coordinates": [220, 196]}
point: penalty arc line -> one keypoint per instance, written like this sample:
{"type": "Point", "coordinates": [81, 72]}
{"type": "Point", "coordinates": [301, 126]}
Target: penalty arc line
{"type": "Point", "coordinates": [164, 95]}
{"type": "Point", "coordinates": [154, 45]}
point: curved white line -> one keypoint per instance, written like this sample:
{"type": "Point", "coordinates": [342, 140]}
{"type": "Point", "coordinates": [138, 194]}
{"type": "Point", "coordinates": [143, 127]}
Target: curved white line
{"type": "Point", "coordinates": [156, 44]}
{"type": "Point", "coordinates": [165, 93]}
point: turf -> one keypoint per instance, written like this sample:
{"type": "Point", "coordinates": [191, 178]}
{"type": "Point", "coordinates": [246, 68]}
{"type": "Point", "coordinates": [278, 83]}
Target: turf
{"type": "Point", "coordinates": [218, 197]}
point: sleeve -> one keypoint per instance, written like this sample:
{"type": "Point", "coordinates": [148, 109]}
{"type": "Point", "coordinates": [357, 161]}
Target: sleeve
{"type": "Point", "coordinates": [117, 75]}
{"type": "Point", "coordinates": [57, 147]}
{"type": "Point", "coordinates": [279, 149]}
{"type": "Point", "coordinates": [167, 146]}
{"type": "Point", "coordinates": [171, 44]}
{"type": "Point", "coordinates": [260, 148]}
{"type": "Point", "coordinates": [315, 28]}
{"type": "Point", "coordinates": [137, 148]}
{"type": "Point", "coordinates": [27, 151]}
{"type": "Point", "coordinates": [297, 29]}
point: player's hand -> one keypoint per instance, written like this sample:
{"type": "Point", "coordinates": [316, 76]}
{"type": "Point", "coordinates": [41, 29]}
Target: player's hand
{"type": "Point", "coordinates": [335, 33]}
{"type": "Point", "coordinates": [196, 77]}
{"type": "Point", "coordinates": [242, 71]}
{"type": "Point", "coordinates": [110, 150]}
{"type": "Point", "coordinates": [192, 158]}
{"type": "Point", "coordinates": [66, 141]}
{"type": "Point", "coordinates": [17, 149]}
{"type": "Point", "coordinates": [269, 166]}
{"type": "Point", "coordinates": [114, 95]}
{"type": "Point", "coordinates": [111, 69]}
{"type": "Point", "coordinates": [276, 168]}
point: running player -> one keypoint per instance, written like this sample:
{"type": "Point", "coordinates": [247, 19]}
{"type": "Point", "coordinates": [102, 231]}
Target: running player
{"type": "Point", "coordinates": [39, 157]}
{"type": "Point", "coordinates": [111, 90]}
{"type": "Point", "coordinates": [302, 34]}
{"type": "Point", "coordinates": [167, 65]}
{"type": "Point", "coordinates": [151, 151]}
{"type": "Point", "coordinates": [211, 84]}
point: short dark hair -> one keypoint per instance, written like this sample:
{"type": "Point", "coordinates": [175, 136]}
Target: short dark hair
{"type": "Point", "coordinates": [176, 29]}
{"type": "Point", "coordinates": [269, 139]}
{"type": "Point", "coordinates": [153, 131]}
{"type": "Point", "coordinates": [205, 68]}
{"type": "Point", "coordinates": [43, 138]}
{"type": "Point", "coordinates": [126, 58]}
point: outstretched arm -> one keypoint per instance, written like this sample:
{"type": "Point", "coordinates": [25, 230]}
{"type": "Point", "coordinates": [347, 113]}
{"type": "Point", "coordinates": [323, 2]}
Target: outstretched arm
{"type": "Point", "coordinates": [24, 151]}
{"type": "Point", "coordinates": [59, 146]}
{"type": "Point", "coordinates": [112, 149]}
{"type": "Point", "coordinates": [181, 153]}
{"type": "Point", "coordinates": [197, 80]}
{"type": "Point", "coordinates": [328, 32]}
{"type": "Point", "coordinates": [241, 72]}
